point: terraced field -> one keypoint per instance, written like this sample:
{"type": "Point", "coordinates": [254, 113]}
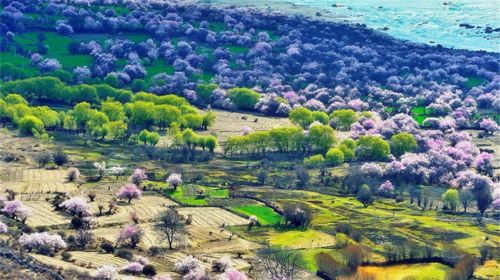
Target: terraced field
{"type": "Point", "coordinates": [34, 180]}
{"type": "Point", "coordinates": [147, 208]}
{"type": "Point", "coordinates": [212, 216]}
{"type": "Point", "coordinates": [44, 215]}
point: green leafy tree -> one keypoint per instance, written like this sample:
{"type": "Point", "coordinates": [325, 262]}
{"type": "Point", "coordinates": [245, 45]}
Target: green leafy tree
{"type": "Point", "coordinates": [153, 138]}
{"type": "Point", "coordinates": [138, 85]}
{"type": "Point", "coordinates": [31, 125]}
{"type": "Point", "coordinates": [343, 119]}
{"type": "Point", "coordinates": [141, 114]}
{"type": "Point", "coordinates": [365, 195]}
{"type": "Point", "coordinates": [112, 80]}
{"type": "Point", "coordinates": [244, 98]}
{"type": "Point", "coordinates": [98, 125]}
{"type": "Point", "coordinates": [208, 119]}
{"type": "Point", "coordinates": [165, 115]}
{"type": "Point", "coordinates": [205, 92]}
{"type": "Point", "coordinates": [403, 142]}
{"type": "Point", "coordinates": [211, 143]}
{"type": "Point", "coordinates": [372, 148]}
{"type": "Point", "coordinates": [335, 156]}
{"type": "Point", "coordinates": [117, 129]}
{"type": "Point", "coordinates": [321, 138]}
{"type": "Point", "coordinates": [49, 117]}
{"type": "Point", "coordinates": [82, 114]}
{"type": "Point", "coordinates": [192, 121]}
{"type": "Point", "coordinates": [451, 199]}
{"type": "Point", "coordinates": [314, 161]}
{"type": "Point", "coordinates": [113, 109]}
{"type": "Point", "coordinates": [348, 147]}
{"type": "Point", "coordinates": [301, 116]}
{"type": "Point", "coordinates": [321, 117]}
{"type": "Point", "coordinates": [189, 138]}
{"type": "Point", "coordinates": [143, 136]}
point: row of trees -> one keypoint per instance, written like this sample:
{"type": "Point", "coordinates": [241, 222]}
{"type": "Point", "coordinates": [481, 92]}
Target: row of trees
{"type": "Point", "coordinates": [114, 119]}
{"type": "Point", "coordinates": [319, 138]}
{"type": "Point", "coordinates": [289, 139]}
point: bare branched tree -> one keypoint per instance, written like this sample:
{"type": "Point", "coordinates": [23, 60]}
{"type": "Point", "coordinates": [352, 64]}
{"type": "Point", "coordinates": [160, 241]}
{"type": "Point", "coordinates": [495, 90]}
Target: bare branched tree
{"type": "Point", "coordinates": [171, 226]}
{"type": "Point", "coordinates": [281, 263]}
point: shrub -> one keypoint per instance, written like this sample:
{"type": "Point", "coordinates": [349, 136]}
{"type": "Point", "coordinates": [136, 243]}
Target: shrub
{"type": "Point", "coordinates": [149, 270]}
{"type": "Point", "coordinates": [187, 265]}
{"type": "Point", "coordinates": [222, 264]}
{"type": "Point", "coordinates": [42, 159]}
{"type": "Point", "coordinates": [77, 206]}
{"type": "Point", "coordinates": [39, 241]}
{"type": "Point", "coordinates": [329, 267]}
{"type": "Point", "coordinates": [354, 256]}
{"type": "Point", "coordinates": [107, 247]}
{"type": "Point", "coordinates": [131, 234]}
{"type": "Point", "coordinates": [66, 256]}
{"type": "Point", "coordinates": [124, 254]}
{"type": "Point", "coordinates": [73, 174]}
{"type": "Point", "coordinates": [133, 268]}
{"type": "Point", "coordinates": [314, 161]}
{"type": "Point", "coordinates": [154, 250]}
{"type": "Point", "coordinates": [233, 274]}
{"type": "Point", "coordinates": [3, 228]}
{"type": "Point", "coordinates": [106, 272]}
{"type": "Point", "coordinates": [60, 157]}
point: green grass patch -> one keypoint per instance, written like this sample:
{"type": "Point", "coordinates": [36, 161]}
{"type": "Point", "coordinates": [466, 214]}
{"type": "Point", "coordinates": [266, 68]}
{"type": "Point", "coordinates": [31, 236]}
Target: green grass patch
{"type": "Point", "coordinates": [217, 26]}
{"type": "Point", "coordinates": [157, 67]}
{"type": "Point", "coordinates": [301, 239]}
{"type": "Point", "coordinates": [204, 76]}
{"type": "Point", "coordinates": [389, 109]}
{"type": "Point", "coordinates": [264, 214]}
{"type": "Point", "coordinates": [471, 82]}
{"type": "Point", "coordinates": [190, 194]}
{"type": "Point", "coordinates": [237, 49]}
{"type": "Point", "coordinates": [419, 113]}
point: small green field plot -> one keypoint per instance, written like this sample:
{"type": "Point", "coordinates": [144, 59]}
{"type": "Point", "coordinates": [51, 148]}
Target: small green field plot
{"type": "Point", "coordinates": [406, 271]}
{"type": "Point", "coordinates": [231, 202]}
{"type": "Point", "coordinates": [419, 114]}
{"type": "Point", "coordinates": [217, 26]}
{"type": "Point", "coordinates": [204, 76]}
{"type": "Point", "coordinates": [194, 195]}
{"type": "Point", "coordinates": [134, 37]}
{"type": "Point", "coordinates": [157, 67]}
{"type": "Point", "coordinates": [18, 61]}
{"type": "Point", "coordinates": [301, 239]}
{"type": "Point", "coordinates": [237, 49]}
{"type": "Point", "coordinates": [389, 109]}
{"type": "Point", "coordinates": [57, 48]}
{"type": "Point", "coordinates": [309, 256]}
{"type": "Point", "coordinates": [264, 214]}
{"type": "Point", "coordinates": [273, 36]}
{"type": "Point", "coordinates": [471, 82]}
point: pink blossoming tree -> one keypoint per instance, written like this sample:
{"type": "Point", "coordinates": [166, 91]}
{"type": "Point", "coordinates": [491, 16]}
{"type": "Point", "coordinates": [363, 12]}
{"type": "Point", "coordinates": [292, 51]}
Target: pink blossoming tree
{"type": "Point", "coordinates": [129, 191]}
